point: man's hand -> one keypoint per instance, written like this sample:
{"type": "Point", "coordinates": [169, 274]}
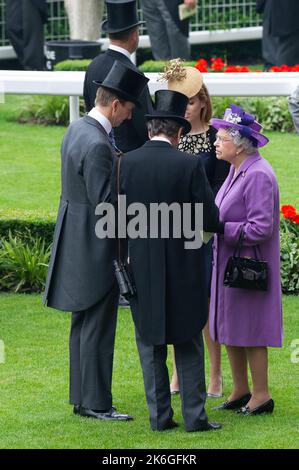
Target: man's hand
{"type": "Point", "coordinates": [190, 3]}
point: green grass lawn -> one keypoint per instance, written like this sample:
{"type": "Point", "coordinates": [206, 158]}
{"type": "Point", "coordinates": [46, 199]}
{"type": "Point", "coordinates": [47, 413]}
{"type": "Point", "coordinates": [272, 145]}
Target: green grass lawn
{"type": "Point", "coordinates": [34, 405]}
{"type": "Point", "coordinates": [30, 162]}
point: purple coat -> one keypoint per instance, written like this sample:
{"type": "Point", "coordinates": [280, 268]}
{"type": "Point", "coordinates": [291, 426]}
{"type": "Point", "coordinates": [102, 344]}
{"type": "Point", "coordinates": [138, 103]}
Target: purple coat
{"type": "Point", "coordinates": [240, 317]}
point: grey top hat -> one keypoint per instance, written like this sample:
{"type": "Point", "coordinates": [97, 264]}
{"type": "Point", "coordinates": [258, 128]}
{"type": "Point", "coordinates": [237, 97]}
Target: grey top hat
{"type": "Point", "coordinates": [121, 16]}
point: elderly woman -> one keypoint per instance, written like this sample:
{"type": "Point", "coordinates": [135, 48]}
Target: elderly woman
{"type": "Point", "coordinates": [246, 321]}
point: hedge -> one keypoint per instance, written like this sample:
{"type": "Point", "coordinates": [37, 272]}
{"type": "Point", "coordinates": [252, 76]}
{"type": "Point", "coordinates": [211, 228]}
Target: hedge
{"type": "Point", "coordinates": [19, 222]}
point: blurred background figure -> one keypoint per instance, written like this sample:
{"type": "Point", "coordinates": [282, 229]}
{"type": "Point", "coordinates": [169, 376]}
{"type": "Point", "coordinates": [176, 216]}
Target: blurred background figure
{"type": "Point", "coordinates": [280, 31]}
{"type": "Point", "coordinates": [294, 108]}
{"type": "Point", "coordinates": [25, 21]}
{"type": "Point", "coordinates": [168, 34]}
{"type": "Point", "coordinates": [122, 27]}
{"type": "Point", "coordinates": [269, 43]}
{"type": "Point", "coordinates": [85, 17]}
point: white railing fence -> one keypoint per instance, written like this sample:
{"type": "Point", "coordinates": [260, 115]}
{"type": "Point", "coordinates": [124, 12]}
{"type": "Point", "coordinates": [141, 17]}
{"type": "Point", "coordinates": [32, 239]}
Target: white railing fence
{"type": "Point", "coordinates": [219, 84]}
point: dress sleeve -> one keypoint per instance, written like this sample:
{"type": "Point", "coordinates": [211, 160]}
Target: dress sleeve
{"type": "Point", "coordinates": [258, 197]}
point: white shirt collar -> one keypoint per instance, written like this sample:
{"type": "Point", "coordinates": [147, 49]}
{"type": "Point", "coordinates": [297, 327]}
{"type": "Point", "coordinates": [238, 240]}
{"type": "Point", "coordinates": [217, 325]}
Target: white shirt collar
{"type": "Point", "coordinates": [161, 138]}
{"type": "Point", "coordinates": [98, 116]}
{"type": "Point", "coordinates": [121, 50]}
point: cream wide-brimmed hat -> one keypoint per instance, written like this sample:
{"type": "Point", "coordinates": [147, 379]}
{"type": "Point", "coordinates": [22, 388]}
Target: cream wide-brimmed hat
{"type": "Point", "coordinates": [186, 80]}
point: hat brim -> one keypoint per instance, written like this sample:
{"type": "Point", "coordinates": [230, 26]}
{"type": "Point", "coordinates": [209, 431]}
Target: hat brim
{"type": "Point", "coordinates": [122, 94]}
{"type": "Point", "coordinates": [106, 29]}
{"type": "Point", "coordinates": [190, 85]}
{"type": "Point", "coordinates": [185, 124]}
{"type": "Point", "coordinates": [260, 139]}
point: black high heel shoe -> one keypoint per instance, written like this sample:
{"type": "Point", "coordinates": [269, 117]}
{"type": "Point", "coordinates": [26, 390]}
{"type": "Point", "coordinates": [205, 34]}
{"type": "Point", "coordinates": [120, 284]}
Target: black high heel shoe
{"type": "Point", "coordinates": [266, 407]}
{"type": "Point", "coordinates": [234, 404]}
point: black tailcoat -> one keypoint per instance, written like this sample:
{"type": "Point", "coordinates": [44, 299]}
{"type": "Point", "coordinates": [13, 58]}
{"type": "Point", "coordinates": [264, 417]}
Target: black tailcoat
{"type": "Point", "coordinates": [171, 304]}
{"type": "Point", "coordinates": [131, 134]}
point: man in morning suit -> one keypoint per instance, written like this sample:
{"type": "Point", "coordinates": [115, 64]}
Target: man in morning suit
{"type": "Point", "coordinates": [280, 31]}
{"type": "Point", "coordinates": [122, 27]}
{"type": "Point", "coordinates": [170, 306]}
{"type": "Point", "coordinates": [80, 276]}
{"type": "Point", "coordinates": [25, 21]}
{"type": "Point", "coordinates": [168, 34]}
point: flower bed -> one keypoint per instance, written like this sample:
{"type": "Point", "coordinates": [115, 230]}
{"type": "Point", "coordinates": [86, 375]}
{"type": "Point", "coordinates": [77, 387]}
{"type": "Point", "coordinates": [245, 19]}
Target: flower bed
{"type": "Point", "coordinates": [289, 239]}
{"type": "Point", "coordinates": [218, 65]}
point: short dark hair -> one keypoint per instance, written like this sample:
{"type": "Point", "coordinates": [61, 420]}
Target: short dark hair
{"type": "Point", "coordinates": [122, 35]}
{"type": "Point", "coordinates": [168, 127]}
{"type": "Point", "coordinates": [104, 97]}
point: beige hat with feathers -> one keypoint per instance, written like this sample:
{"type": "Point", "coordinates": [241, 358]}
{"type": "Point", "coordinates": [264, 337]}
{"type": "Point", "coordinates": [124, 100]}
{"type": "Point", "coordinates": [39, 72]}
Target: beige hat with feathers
{"type": "Point", "coordinates": [186, 80]}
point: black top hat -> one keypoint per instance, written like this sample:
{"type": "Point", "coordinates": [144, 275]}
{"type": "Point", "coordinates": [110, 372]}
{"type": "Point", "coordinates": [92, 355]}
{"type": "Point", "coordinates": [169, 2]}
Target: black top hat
{"type": "Point", "coordinates": [171, 105]}
{"type": "Point", "coordinates": [125, 82]}
{"type": "Point", "coordinates": [122, 15]}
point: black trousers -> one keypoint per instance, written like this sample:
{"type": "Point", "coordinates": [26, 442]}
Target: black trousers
{"type": "Point", "coordinates": [288, 49]}
{"type": "Point", "coordinates": [189, 358]}
{"type": "Point", "coordinates": [91, 353]}
{"type": "Point", "coordinates": [25, 30]}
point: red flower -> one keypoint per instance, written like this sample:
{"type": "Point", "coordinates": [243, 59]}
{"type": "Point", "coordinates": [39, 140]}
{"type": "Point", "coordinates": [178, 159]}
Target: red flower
{"type": "Point", "coordinates": [294, 218]}
{"type": "Point", "coordinates": [274, 69]}
{"type": "Point", "coordinates": [285, 68]}
{"type": "Point", "coordinates": [202, 65]}
{"type": "Point", "coordinates": [230, 69]}
{"type": "Point", "coordinates": [217, 64]}
{"type": "Point", "coordinates": [236, 69]}
{"type": "Point", "coordinates": [289, 213]}
{"type": "Point", "coordinates": [288, 208]}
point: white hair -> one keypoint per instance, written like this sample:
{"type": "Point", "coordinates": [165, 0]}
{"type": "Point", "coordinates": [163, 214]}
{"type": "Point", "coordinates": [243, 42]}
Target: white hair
{"type": "Point", "coordinates": [241, 141]}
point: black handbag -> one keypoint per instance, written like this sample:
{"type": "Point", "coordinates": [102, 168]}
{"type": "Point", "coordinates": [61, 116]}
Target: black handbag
{"type": "Point", "coordinates": [122, 272]}
{"type": "Point", "coordinates": [246, 273]}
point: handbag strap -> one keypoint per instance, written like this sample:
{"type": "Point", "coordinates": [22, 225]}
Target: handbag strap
{"type": "Point", "coordinates": [240, 244]}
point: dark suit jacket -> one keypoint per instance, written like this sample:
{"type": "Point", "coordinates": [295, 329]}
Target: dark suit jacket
{"type": "Point", "coordinates": [171, 304]}
{"type": "Point", "coordinates": [173, 6]}
{"type": "Point", "coordinates": [131, 134]}
{"type": "Point", "coordinates": [80, 270]}
{"type": "Point", "coordinates": [42, 6]}
{"type": "Point", "coordinates": [282, 15]}
{"type": "Point", "coordinates": [260, 6]}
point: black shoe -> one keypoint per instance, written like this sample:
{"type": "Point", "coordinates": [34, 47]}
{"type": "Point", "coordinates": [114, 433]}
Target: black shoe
{"type": "Point", "coordinates": [123, 302]}
{"type": "Point", "coordinates": [266, 407]}
{"type": "Point", "coordinates": [170, 425]}
{"type": "Point", "coordinates": [109, 415]}
{"type": "Point", "coordinates": [234, 404]}
{"type": "Point", "coordinates": [76, 409]}
{"type": "Point", "coordinates": [209, 426]}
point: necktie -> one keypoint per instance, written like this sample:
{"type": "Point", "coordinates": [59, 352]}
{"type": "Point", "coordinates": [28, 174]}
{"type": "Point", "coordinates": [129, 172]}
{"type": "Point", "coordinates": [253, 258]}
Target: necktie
{"type": "Point", "coordinates": [112, 141]}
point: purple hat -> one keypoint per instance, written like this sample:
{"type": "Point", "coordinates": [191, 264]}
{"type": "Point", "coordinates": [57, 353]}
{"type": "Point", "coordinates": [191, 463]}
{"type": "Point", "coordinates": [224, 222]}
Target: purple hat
{"type": "Point", "coordinates": [235, 117]}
